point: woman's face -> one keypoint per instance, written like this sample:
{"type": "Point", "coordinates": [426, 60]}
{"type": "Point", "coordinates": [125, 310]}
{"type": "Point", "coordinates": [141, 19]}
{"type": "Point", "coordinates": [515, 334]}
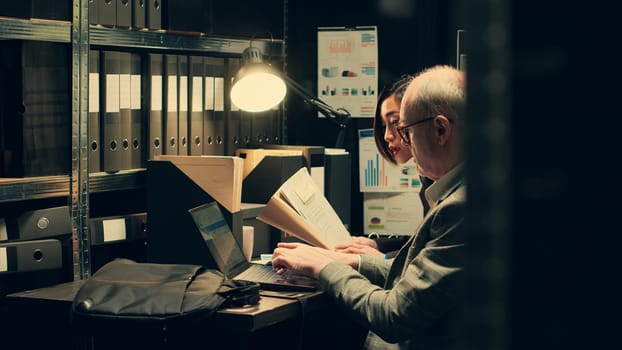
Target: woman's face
{"type": "Point", "coordinates": [390, 113]}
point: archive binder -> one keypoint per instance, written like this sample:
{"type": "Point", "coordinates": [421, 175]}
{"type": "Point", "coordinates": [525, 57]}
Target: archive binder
{"type": "Point", "coordinates": [219, 107]}
{"type": "Point", "coordinates": [125, 112]}
{"type": "Point", "coordinates": [51, 9]}
{"type": "Point", "coordinates": [43, 254]}
{"type": "Point", "coordinates": [195, 131]}
{"type": "Point", "coordinates": [337, 182]}
{"type": "Point", "coordinates": [182, 98]}
{"type": "Point", "coordinates": [139, 14]}
{"type": "Point", "coordinates": [136, 112]}
{"type": "Point", "coordinates": [44, 223]}
{"type": "Point", "coordinates": [93, 13]}
{"type": "Point", "coordinates": [124, 14]}
{"type": "Point", "coordinates": [35, 108]}
{"type": "Point", "coordinates": [232, 121]}
{"type": "Point", "coordinates": [156, 61]}
{"type": "Point", "coordinates": [94, 118]}
{"type": "Point", "coordinates": [112, 159]}
{"type": "Point", "coordinates": [170, 86]}
{"type": "Point", "coordinates": [112, 229]}
{"type": "Point", "coordinates": [154, 14]}
{"type": "Point", "coordinates": [209, 130]}
{"type": "Point", "coordinates": [107, 12]}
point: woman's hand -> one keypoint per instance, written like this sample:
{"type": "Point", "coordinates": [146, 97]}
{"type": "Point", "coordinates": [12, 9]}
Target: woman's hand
{"type": "Point", "coordinates": [360, 245]}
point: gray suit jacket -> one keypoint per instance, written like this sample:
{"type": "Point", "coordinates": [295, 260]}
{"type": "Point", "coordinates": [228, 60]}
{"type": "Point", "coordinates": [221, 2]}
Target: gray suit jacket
{"type": "Point", "coordinates": [414, 300]}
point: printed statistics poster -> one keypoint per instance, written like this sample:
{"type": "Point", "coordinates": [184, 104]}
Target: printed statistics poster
{"type": "Point", "coordinates": [378, 175]}
{"type": "Point", "coordinates": [348, 69]}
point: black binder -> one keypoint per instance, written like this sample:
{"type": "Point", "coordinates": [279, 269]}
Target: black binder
{"type": "Point", "coordinates": [42, 254]}
{"type": "Point", "coordinates": [154, 14]}
{"type": "Point", "coordinates": [156, 88]}
{"type": "Point", "coordinates": [232, 113]}
{"type": "Point", "coordinates": [170, 118]}
{"type": "Point", "coordinates": [182, 100]}
{"type": "Point", "coordinates": [195, 132]}
{"type": "Point", "coordinates": [139, 14]}
{"type": "Point", "coordinates": [125, 108]}
{"type": "Point", "coordinates": [51, 9]}
{"type": "Point", "coordinates": [124, 14]}
{"type": "Point", "coordinates": [209, 127]}
{"type": "Point", "coordinates": [35, 104]}
{"type": "Point", "coordinates": [44, 223]}
{"type": "Point", "coordinates": [218, 71]}
{"type": "Point", "coordinates": [107, 12]}
{"type": "Point", "coordinates": [93, 13]}
{"type": "Point", "coordinates": [112, 160]}
{"type": "Point", "coordinates": [136, 112]}
{"type": "Point", "coordinates": [94, 118]}
{"type": "Point", "coordinates": [113, 229]}
{"type": "Point", "coordinates": [337, 184]}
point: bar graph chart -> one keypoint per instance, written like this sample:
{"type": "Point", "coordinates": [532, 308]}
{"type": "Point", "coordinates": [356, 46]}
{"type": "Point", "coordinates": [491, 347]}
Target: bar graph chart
{"type": "Point", "coordinates": [378, 175]}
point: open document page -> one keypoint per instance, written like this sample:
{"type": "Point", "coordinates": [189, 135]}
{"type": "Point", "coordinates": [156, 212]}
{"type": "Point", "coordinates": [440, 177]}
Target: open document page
{"type": "Point", "coordinates": [300, 209]}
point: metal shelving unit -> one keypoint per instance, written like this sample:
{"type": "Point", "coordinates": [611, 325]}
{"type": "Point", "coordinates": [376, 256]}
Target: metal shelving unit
{"type": "Point", "coordinates": [81, 35]}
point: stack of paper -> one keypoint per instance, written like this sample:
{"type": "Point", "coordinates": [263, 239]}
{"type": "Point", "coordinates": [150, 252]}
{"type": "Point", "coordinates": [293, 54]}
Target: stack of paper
{"type": "Point", "coordinates": [299, 208]}
{"type": "Point", "coordinates": [219, 176]}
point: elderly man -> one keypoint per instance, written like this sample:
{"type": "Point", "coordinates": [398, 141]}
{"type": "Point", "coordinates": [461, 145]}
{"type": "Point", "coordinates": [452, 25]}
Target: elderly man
{"type": "Point", "coordinates": [413, 301]}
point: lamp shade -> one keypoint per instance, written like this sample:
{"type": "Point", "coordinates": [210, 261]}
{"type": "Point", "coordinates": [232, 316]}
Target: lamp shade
{"type": "Point", "coordinates": [257, 86]}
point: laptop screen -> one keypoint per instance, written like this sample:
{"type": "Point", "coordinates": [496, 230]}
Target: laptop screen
{"type": "Point", "coordinates": [219, 239]}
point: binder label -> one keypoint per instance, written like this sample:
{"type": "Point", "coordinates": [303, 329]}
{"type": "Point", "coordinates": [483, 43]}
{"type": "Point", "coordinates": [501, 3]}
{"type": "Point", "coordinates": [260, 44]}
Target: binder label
{"type": "Point", "coordinates": [114, 230]}
{"type": "Point", "coordinates": [93, 92]}
{"type": "Point", "coordinates": [112, 89]}
{"type": "Point", "coordinates": [209, 93]}
{"type": "Point", "coordinates": [124, 91]}
{"type": "Point", "coordinates": [183, 94]}
{"type": "Point", "coordinates": [4, 262]}
{"type": "Point", "coordinates": [156, 93]}
{"type": "Point", "coordinates": [219, 94]}
{"type": "Point", "coordinates": [172, 94]}
{"type": "Point", "coordinates": [135, 91]}
{"type": "Point", "coordinates": [197, 104]}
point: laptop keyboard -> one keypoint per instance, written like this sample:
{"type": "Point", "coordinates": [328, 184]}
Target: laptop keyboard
{"type": "Point", "coordinates": [260, 273]}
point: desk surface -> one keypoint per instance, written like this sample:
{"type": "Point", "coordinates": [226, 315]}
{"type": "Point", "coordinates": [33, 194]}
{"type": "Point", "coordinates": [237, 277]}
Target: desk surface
{"type": "Point", "coordinates": [270, 310]}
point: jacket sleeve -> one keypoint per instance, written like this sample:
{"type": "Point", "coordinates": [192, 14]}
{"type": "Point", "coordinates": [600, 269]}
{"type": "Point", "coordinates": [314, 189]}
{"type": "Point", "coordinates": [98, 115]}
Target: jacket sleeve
{"type": "Point", "coordinates": [427, 288]}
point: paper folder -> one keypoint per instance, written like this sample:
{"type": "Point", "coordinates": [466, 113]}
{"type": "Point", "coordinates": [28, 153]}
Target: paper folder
{"type": "Point", "coordinates": [219, 176]}
{"type": "Point", "coordinates": [253, 156]}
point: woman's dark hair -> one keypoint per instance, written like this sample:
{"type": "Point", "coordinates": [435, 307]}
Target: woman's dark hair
{"type": "Point", "coordinates": [397, 88]}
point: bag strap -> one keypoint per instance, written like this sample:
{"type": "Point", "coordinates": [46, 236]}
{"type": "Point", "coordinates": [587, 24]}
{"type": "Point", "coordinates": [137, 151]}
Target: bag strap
{"type": "Point", "coordinates": [239, 293]}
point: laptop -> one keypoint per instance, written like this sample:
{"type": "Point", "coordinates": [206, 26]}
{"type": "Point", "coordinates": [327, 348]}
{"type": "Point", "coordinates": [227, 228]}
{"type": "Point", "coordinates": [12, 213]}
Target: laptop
{"type": "Point", "coordinates": [230, 259]}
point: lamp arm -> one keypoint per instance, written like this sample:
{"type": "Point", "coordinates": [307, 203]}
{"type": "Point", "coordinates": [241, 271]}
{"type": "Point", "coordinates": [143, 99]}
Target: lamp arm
{"type": "Point", "coordinates": [340, 116]}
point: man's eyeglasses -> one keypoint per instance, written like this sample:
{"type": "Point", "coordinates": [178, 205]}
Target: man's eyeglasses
{"type": "Point", "coordinates": [403, 130]}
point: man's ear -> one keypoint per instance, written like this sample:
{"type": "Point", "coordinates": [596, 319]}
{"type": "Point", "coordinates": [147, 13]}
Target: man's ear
{"type": "Point", "coordinates": [443, 128]}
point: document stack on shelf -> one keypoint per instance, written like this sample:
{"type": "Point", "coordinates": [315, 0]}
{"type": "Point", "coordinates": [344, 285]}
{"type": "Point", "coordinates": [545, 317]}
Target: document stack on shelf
{"type": "Point", "coordinates": [219, 176]}
{"type": "Point", "coordinates": [300, 209]}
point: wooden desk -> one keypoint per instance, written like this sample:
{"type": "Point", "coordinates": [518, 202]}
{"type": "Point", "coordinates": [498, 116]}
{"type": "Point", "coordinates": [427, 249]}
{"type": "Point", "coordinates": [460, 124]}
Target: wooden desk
{"type": "Point", "coordinates": [41, 318]}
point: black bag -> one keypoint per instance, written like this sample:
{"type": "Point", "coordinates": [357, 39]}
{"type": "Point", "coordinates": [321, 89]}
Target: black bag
{"type": "Point", "coordinates": [124, 294]}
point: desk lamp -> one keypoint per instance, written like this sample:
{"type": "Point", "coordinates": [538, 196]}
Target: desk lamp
{"type": "Point", "coordinates": [257, 87]}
